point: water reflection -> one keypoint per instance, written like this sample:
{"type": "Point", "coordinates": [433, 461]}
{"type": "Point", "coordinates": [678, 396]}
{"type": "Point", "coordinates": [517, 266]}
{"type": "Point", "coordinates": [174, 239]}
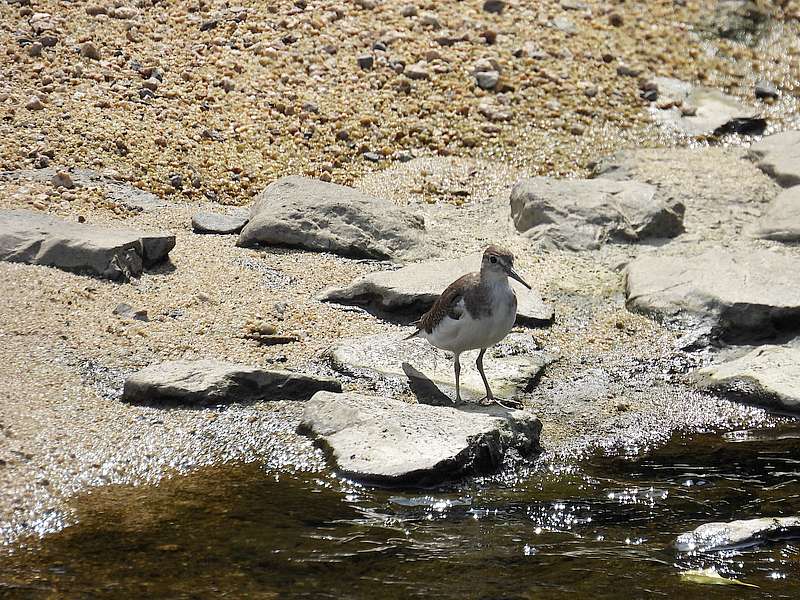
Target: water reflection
{"type": "Point", "coordinates": [601, 528]}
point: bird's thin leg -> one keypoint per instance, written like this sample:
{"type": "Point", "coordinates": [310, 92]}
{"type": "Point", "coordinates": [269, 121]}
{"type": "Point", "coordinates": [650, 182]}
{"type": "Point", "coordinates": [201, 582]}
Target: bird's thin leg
{"type": "Point", "coordinates": [457, 369]}
{"type": "Point", "coordinates": [479, 364]}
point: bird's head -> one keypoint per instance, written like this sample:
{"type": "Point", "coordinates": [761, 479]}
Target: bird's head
{"type": "Point", "coordinates": [499, 261]}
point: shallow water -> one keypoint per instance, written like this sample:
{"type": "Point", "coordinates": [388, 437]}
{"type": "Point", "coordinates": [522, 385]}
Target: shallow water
{"type": "Point", "coordinates": [602, 528]}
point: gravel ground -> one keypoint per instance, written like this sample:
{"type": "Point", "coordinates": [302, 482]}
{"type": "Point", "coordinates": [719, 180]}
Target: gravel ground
{"type": "Point", "coordinates": [248, 95]}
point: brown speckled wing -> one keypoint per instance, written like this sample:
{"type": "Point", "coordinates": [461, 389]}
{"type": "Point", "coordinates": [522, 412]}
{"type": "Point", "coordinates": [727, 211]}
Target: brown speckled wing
{"type": "Point", "coordinates": [446, 304]}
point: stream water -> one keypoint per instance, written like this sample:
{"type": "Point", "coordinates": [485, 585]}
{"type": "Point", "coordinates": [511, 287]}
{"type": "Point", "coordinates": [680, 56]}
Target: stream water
{"type": "Point", "coordinates": [600, 528]}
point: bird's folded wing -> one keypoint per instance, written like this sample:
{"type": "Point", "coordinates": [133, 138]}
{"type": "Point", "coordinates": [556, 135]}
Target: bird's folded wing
{"type": "Point", "coordinates": [449, 304]}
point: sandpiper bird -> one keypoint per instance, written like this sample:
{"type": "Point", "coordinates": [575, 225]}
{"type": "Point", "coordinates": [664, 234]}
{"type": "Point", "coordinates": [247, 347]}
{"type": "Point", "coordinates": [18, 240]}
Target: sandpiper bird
{"type": "Point", "coordinates": [475, 311]}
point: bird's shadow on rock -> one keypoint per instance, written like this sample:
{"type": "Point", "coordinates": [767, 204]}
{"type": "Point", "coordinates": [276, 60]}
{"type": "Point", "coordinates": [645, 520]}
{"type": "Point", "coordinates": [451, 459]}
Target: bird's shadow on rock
{"type": "Point", "coordinates": [427, 392]}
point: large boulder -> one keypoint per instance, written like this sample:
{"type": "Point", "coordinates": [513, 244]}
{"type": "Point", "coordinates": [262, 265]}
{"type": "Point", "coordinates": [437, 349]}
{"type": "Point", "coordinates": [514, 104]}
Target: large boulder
{"type": "Point", "coordinates": [414, 288]}
{"type": "Point", "coordinates": [739, 295]}
{"type": "Point", "coordinates": [781, 221]}
{"type": "Point", "coordinates": [203, 382]}
{"type": "Point", "coordinates": [579, 214]}
{"type": "Point", "coordinates": [698, 110]}
{"type": "Point", "coordinates": [779, 157]}
{"type": "Point", "coordinates": [735, 535]}
{"type": "Point", "coordinates": [768, 375]}
{"type": "Point", "coordinates": [512, 366]}
{"type": "Point", "coordinates": [325, 217]}
{"type": "Point", "coordinates": [40, 239]}
{"type": "Point", "coordinates": [393, 442]}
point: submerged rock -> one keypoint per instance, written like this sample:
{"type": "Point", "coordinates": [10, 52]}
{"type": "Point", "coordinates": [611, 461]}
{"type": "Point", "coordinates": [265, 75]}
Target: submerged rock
{"type": "Point", "coordinates": [769, 375]}
{"type": "Point", "coordinates": [414, 288]}
{"type": "Point", "coordinates": [216, 382]}
{"type": "Point", "coordinates": [781, 221]}
{"type": "Point", "coordinates": [712, 537]}
{"type": "Point", "coordinates": [40, 239]}
{"type": "Point", "coordinates": [697, 110]}
{"type": "Point", "coordinates": [392, 442]}
{"type": "Point", "coordinates": [580, 214]}
{"type": "Point", "coordinates": [325, 217]}
{"type": "Point", "coordinates": [779, 157]}
{"type": "Point", "coordinates": [511, 367]}
{"type": "Point", "coordinates": [741, 295]}
{"type": "Point", "coordinates": [215, 223]}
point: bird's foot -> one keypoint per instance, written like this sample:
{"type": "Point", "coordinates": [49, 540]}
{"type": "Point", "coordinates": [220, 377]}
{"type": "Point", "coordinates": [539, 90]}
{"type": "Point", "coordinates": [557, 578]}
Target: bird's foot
{"type": "Point", "coordinates": [507, 404]}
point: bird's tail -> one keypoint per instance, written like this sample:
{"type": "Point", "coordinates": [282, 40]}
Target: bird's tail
{"type": "Point", "coordinates": [416, 331]}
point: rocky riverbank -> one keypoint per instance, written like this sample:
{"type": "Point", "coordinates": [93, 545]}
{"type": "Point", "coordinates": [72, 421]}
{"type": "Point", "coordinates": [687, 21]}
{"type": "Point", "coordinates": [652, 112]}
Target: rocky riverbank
{"type": "Point", "coordinates": [685, 235]}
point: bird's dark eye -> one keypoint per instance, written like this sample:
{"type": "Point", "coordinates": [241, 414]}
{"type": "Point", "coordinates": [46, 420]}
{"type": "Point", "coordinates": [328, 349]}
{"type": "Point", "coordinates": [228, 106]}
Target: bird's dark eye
{"type": "Point", "coordinates": [492, 259]}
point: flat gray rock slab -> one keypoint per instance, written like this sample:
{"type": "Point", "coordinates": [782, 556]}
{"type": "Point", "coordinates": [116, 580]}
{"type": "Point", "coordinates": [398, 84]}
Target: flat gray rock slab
{"type": "Point", "coordinates": [781, 221]}
{"type": "Point", "coordinates": [392, 442]}
{"type": "Point", "coordinates": [579, 214]}
{"type": "Point", "coordinates": [512, 367]}
{"type": "Point", "coordinates": [203, 382]}
{"type": "Point", "coordinates": [779, 157]}
{"type": "Point", "coordinates": [325, 217]}
{"type": "Point", "coordinates": [414, 289]}
{"type": "Point", "coordinates": [40, 239]}
{"type": "Point", "coordinates": [769, 376]}
{"type": "Point", "coordinates": [713, 109]}
{"type": "Point", "coordinates": [123, 193]}
{"type": "Point", "coordinates": [207, 222]}
{"type": "Point", "coordinates": [741, 295]}
{"type": "Point", "coordinates": [712, 537]}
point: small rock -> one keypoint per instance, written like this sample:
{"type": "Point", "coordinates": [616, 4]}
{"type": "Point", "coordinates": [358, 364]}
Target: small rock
{"type": "Point", "coordinates": [764, 89]}
{"type": "Point", "coordinates": [589, 89]}
{"type": "Point", "coordinates": [628, 71]}
{"type": "Point", "coordinates": [325, 217]}
{"type": "Point", "coordinates": [372, 156]}
{"type": "Point", "coordinates": [127, 311]}
{"type": "Point", "coordinates": [219, 224]}
{"type": "Point", "coordinates": [431, 20]}
{"type": "Point", "coordinates": [89, 50]}
{"type": "Point", "coordinates": [365, 61]}
{"type": "Point", "coordinates": [176, 181]}
{"type": "Point", "coordinates": [32, 238]}
{"type": "Point", "coordinates": [778, 156]}
{"type": "Point", "coordinates": [579, 214]}
{"type": "Point", "coordinates": [94, 10]}
{"type": "Point", "coordinates": [207, 382]}
{"type": "Point", "coordinates": [391, 441]}
{"type": "Point", "coordinates": [743, 295]}
{"type": "Point", "coordinates": [767, 376]}
{"type": "Point", "coordinates": [151, 84]}
{"type": "Point", "coordinates": [616, 19]}
{"type": "Point", "coordinates": [63, 179]}
{"type": "Point", "coordinates": [494, 6]}
{"type": "Point", "coordinates": [34, 103]}
{"type": "Point", "coordinates": [417, 71]}
{"type": "Point", "coordinates": [123, 12]}
{"type": "Point", "coordinates": [565, 25]}
{"type": "Point", "coordinates": [494, 111]}
{"type": "Point", "coordinates": [408, 10]}
{"type": "Point", "coordinates": [735, 535]}
{"type": "Point", "coordinates": [487, 80]}
{"type": "Point", "coordinates": [415, 287]}
{"type": "Point", "coordinates": [35, 49]}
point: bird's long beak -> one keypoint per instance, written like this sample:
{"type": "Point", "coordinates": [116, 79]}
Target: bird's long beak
{"type": "Point", "coordinates": [512, 273]}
